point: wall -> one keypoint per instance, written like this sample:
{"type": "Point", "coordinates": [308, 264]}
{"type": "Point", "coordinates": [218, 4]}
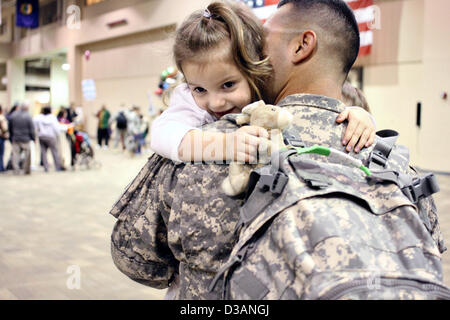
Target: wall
{"type": "Point", "coordinates": [126, 70]}
{"type": "Point", "coordinates": [140, 16]}
{"type": "Point", "coordinates": [410, 64]}
{"type": "Point", "coordinates": [7, 22]}
{"type": "Point", "coordinates": [16, 80]}
{"type": "Point", "coordinates": [124, 66]}
{"type": "Point", "coordinates": [434, 142]}
{"type": "Point", "coordinates": [4, 100]}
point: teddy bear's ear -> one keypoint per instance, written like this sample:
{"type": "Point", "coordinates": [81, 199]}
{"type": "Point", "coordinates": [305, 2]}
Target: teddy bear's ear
{"type": "Point", "coordinates": [251, 107]}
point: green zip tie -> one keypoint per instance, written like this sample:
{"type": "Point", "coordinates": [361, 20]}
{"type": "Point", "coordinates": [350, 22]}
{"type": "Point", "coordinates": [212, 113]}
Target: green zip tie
{"type": "Point", "coordinates": [324, 151]}
{"type": "Point", "coordinates": [366, 170]}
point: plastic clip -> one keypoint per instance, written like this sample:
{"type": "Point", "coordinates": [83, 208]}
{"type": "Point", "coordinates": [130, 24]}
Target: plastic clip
{"type": "Point", "coordinates": [274, 183]}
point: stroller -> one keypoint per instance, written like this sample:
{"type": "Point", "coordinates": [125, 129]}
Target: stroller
{"type": "Point", "coordinates": [81, 149]}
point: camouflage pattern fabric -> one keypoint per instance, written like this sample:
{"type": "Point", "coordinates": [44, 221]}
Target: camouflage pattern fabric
{"type": "Point", "coordinates": [349, 234]}
{"type": "Point", "coordinates": [427, 206]}
{"type": "Point", "coordinates": [348, 239]}
{"type": "Point", "coordinates": [174, 218]}
{"type": "Point", "coordinates": [139, 245]}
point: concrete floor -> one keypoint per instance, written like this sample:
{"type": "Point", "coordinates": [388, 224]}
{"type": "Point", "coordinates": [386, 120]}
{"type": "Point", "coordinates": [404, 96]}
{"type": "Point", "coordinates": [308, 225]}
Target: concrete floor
{"type": "Point", "coordinates": [56, 224]}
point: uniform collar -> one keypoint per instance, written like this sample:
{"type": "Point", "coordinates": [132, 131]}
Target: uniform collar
{"type": "Point", "coordinates": [312, 100]}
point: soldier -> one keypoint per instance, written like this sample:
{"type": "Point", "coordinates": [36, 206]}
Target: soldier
{"type": "Point", "coordinates": [174, 218]}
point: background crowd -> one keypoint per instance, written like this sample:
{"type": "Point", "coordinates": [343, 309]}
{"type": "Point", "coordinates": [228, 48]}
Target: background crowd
{"type": "Point", "coordinates": [63, 129]}
{"type": "Point", "coordinates": [128, 128]}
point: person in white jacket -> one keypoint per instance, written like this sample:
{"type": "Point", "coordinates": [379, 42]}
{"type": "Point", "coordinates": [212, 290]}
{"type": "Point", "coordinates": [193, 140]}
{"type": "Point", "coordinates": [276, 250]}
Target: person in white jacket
{"type": "Point", "coordinates": [48, 128]}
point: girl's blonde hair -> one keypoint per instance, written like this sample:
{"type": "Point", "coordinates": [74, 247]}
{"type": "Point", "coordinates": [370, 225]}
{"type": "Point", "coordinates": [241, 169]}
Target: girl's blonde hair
{"type": "Point", "coordinates": [206, 30]}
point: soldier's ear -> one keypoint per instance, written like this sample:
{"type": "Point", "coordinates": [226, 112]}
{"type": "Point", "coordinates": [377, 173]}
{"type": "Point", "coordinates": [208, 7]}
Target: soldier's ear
{"type": "Point", "coordinates": [302, 46]}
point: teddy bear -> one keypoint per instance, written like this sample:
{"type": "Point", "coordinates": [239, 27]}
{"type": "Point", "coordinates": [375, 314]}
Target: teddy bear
{"type": "Point", "coordinates": [272, 118]}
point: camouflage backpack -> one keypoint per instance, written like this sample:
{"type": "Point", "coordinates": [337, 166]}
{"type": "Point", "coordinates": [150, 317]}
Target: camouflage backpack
{"type": "Point", "coordinates": [319, 224]}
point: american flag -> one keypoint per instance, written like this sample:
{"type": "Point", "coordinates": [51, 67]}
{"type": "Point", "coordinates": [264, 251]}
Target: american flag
{"type": "Point", "coordinates": [362, 8]}
{"type": "Point", "coordinates": [263, 9]}
{"type": "Point", "coordinates": [364, 13]}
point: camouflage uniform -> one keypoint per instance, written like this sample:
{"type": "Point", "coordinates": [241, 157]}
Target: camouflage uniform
{"type": "Point", "coordinates": [336, 242]}
{"type": "Point", "coordinates": [175, 218]}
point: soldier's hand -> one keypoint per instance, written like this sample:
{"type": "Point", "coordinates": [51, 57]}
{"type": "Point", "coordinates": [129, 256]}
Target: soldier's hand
{"type": "Point", "coordinates": [360, 131]}
{"type": "Point", "coordinates": [242, 144]}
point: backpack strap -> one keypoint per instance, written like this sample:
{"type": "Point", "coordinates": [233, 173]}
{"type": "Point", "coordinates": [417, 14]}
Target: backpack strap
{"type": "Point", "coordinates": [252, 285]}
{"type": "Point", "coordinates": [291, 140]}
{"type": "Point", "coordinates": [273, 178]}
{"type": "Point", "coordinates": [382, 149]}
{"type": "Point", "coordinates": [268, 178]}
{"type": "Point", "coordinates": [414, 188]}
{"type": "Point", "coordinates": [261, 181]}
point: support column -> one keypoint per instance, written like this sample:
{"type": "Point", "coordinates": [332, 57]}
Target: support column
{"type": "Point", "coordinates": [15, 71]}
{"type": "Point", "coordinates": [59, 84]}
{"type": "Point", "coordinates": [74, 75]}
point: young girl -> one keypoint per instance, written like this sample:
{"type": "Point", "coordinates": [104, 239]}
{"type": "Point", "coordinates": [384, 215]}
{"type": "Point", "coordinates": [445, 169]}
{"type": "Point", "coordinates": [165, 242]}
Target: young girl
{"type": "Point", "coordinates": [220, 53]}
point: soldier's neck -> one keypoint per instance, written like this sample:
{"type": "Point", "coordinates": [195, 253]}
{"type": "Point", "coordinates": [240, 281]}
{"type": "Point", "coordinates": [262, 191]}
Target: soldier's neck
{"type": "Point", "coordinates": [322, 86]}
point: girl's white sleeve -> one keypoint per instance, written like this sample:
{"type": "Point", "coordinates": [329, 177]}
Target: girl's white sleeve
{"type": "Point", "coordinates": [171, 126]}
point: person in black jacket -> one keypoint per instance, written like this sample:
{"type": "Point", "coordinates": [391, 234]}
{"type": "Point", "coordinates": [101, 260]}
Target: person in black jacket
{"type": "Point", "coordinates": [22, 132]}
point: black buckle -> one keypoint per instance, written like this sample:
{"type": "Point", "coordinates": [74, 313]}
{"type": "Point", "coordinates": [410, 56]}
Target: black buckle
{"type": "Point", "coordinates": [291, 141]}
{"type": "Point", "coordinates": [378, 158]}
{"type": "Point", "coordinates": [413, 191]}
{"type": "Point", "coordinates": [317, 184]}
{"type": "Point", "coordinates": [274, 183]}
{"type": "Point", "coordinates": [381, 151]}
{"type": "Point", "coordinates": [421, 187]}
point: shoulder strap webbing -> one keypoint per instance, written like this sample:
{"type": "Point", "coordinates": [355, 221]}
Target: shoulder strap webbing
{"type": "Point", "coordinates": [413, 188]}
{"type": "Point", "coordinates": [383, 147]}
{"type": "Point", "coordinates": [259, 197]}
{"type": "Point", "coordinates": [236, 259]}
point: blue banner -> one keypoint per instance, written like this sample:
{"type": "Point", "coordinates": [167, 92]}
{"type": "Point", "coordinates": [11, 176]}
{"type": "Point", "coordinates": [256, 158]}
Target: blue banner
{"type": "Point", "coordinates": [27, 13]}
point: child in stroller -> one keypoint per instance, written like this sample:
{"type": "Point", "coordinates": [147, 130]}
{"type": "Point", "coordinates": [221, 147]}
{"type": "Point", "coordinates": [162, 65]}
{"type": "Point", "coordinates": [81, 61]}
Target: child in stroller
{"type": "Point", "coordinates": [81, 149]}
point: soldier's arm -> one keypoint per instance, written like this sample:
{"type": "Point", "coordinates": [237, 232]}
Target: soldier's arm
{"type": "Point", "coordinates": [139, 246]}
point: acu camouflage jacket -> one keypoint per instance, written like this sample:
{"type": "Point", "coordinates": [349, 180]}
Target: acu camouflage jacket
{"type": "Point", "coordinates": [174, 218]}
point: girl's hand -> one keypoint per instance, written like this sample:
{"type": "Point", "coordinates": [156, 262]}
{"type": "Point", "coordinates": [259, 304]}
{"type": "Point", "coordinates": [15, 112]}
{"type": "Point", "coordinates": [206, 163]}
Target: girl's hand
{"type": "Point", "coordinates": [242, 144]}
{"type": "Point", "coordinates": [360, 131]}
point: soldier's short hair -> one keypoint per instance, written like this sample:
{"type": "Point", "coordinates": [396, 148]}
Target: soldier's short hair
{"type": "Point", "coordinates": [337, 20]}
